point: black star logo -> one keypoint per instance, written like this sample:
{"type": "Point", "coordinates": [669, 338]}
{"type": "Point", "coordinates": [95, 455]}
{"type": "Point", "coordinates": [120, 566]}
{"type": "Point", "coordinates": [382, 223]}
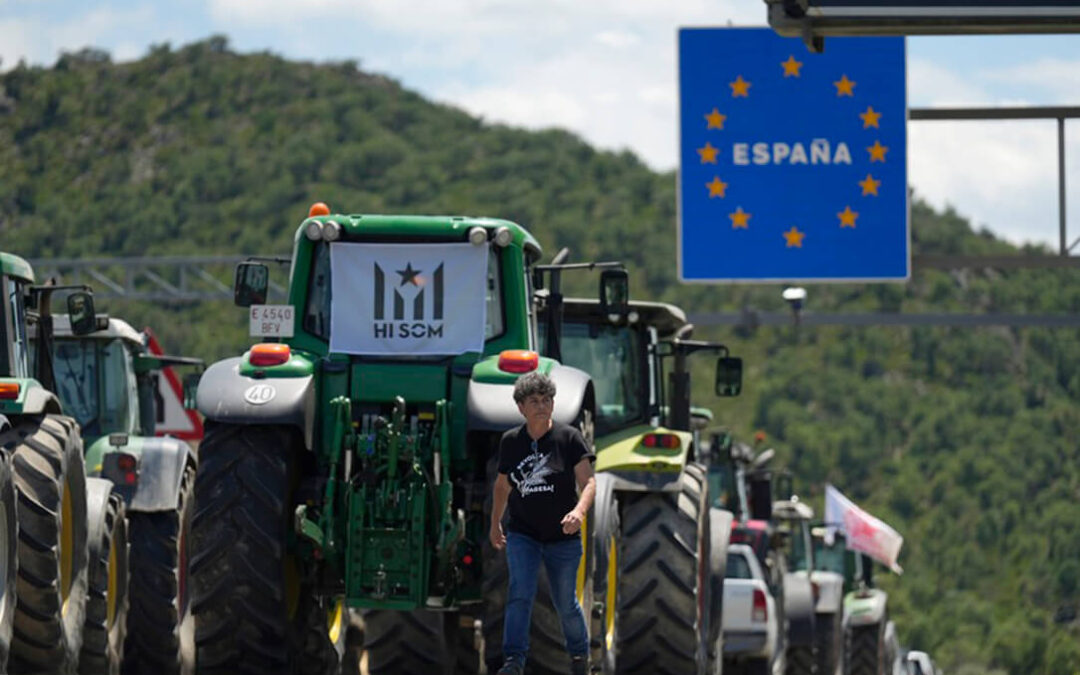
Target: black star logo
{"type": "Point", "coordinates": [408, 275]}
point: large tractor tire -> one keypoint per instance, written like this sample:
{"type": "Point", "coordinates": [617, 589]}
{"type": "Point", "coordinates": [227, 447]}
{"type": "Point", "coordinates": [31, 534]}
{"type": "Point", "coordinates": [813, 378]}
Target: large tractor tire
{"type": "Point", "coordinates": [664, 588]}
{"type": "Point", "coordinates": [50, 481]}
{"type": "Point", "coordinates": [801, 660]}
{"type": "Point", "coordinates": [107, 575]}
{"type": "Point", "coordinates": [719, 535]}
{"type": "Point", "coordinates": [9, 532]}
{"type": "Point", "coordinates": [160, 638]}
{"type": "Point", "coordinates": [829, 643]}
{"type": "Point", "coordinates": [865, 650]}
{"type": "Point", "coordinates": [254, 613]}
{"type": "Point", "coordinates": [409, 643]}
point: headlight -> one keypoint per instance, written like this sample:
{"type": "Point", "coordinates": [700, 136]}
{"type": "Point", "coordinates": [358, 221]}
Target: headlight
{"type": "Point", "coordinates": [331, 231]}
{"type": "Point", "coordinates": [477, 236]}
{"type": "Point", "coordinates": [313, 230]}
{"type": "Point", "coordinates": [503, 237]}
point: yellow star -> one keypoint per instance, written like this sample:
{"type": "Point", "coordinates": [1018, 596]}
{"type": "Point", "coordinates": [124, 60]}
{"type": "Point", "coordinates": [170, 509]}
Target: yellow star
{"type": "Point", "coordinates": [715, 119]}
{"type": "Point", "coordinates": [869, 185]}
{"type": "Point", "coordinates": [791, 67]}
{"type": "Point", "coordinates": [877, 152]}
{"type": "Point", "coordinates": [844, 86]}
{"type": "Point", "coordinates": [708, 153]}
{"type": "Point", "coordinates": [794, 237]}
{"type": "Point", "coordinates": [847, 217]}
{"type": "Point", "coordinates": [716, 187]}
{"type": "Point", "coordinates": [739, 219]}
{"type": "Point", "coordinates": [739, 87]}
{"type": "Point", "coordinates": [870, 118]}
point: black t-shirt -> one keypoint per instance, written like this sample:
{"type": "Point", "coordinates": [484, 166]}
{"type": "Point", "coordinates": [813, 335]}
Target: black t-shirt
{"type": "Point", "coordinates": [542, 479]}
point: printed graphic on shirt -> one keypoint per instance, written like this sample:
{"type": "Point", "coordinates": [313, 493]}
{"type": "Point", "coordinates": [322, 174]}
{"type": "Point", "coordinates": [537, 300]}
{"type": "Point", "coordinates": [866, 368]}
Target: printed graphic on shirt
{"type": "Point", "coordinates": [531, 474]}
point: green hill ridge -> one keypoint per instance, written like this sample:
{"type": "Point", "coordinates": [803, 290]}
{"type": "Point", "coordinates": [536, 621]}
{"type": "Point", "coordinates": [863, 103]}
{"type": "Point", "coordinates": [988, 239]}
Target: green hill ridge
{"type": "Point", "coordinates": [966, 440]}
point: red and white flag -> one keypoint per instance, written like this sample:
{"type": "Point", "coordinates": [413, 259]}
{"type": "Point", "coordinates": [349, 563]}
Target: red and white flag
{"type": "Point", "coordinates": [863, 532]}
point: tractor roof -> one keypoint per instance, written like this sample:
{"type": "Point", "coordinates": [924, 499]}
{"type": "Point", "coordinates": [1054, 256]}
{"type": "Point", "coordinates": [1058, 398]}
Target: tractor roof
{"type": "Point", "coordinates": [792, 510]}
{"type": "Point", "coordinates": [390, 227]}
{"type": "Point", "coordinates": [117, 328]}
{"type": "Point", "coordinates": [666, 318]}
{"type": "Point", "coordinates": [14, 266]}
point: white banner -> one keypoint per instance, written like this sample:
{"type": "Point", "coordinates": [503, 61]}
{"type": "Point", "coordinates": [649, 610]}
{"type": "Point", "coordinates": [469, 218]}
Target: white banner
{"type": "Point", "coordinates": [407, 299]}
{"type": "Point", "coordinates": [863, 531]}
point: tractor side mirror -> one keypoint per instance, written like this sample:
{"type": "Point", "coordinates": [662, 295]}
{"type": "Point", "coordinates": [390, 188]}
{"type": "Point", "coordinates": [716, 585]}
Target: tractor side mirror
{"type": "Point", "coordinates": [191, 388]}
{"type": "Point", "coordinates": [252, 281]}
{"type": "Point", "coordinates": [614, 292]}
{"type": "Point", "coordinates": [761, 498]}
{"type": "Point", "coordinates": [80, 308]}
{"type": "Point", "coordinates": [728, 376]}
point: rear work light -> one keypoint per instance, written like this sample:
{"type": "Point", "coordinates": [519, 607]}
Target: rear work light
{"type": "Point", "coordinates": [761, 609]}
{"type": "Point", "coordinates": [518, 361]}
{"type": "Point", "coordinates": [269, 354]}
{"type": "Point", "coordinates": [666, 441]}
{"type": "Point", "coordinates": [9, 391]}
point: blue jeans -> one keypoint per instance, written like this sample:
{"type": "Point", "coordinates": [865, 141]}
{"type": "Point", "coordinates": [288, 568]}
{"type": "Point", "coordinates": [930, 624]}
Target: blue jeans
{"type": "Point", "coordinates": [523, 557]}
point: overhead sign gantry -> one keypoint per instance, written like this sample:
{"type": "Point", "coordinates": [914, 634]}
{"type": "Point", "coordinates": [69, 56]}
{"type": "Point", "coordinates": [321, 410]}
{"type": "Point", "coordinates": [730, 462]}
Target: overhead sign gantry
{"type": "Point", "coordinates": [813, 20]}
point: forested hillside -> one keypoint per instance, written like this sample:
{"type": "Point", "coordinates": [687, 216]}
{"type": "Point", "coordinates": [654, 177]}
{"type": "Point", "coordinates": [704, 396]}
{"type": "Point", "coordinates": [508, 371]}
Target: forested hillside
{"type": "Point", "coordinates": [966, 440]}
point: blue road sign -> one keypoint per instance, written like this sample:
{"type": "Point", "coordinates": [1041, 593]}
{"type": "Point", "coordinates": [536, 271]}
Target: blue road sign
{"type": "Point", "coordinates": [793, 165]}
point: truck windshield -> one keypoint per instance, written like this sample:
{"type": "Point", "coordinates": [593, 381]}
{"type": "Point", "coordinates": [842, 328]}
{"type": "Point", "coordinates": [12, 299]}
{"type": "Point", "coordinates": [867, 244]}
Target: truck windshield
{"type": "Point", "coordinates": [13, 357]}
{"type": "Point", "coordinates": [614, 357]}
{"type": "Point", "coordinates": [799, 557]}
{"type": "Point", "coordinates": [829, 558]}
{"type": "Point", "coordinates": [738, 567]}
{"type": "Point", "coordinates": [95, 384]}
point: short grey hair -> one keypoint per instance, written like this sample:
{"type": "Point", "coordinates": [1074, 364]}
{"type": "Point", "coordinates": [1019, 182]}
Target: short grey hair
{"type": "Point", "coordinates": [533, 384]}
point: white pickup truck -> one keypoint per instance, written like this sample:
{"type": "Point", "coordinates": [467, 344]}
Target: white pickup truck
{"type": "Point", "coordinates": [751, 632]}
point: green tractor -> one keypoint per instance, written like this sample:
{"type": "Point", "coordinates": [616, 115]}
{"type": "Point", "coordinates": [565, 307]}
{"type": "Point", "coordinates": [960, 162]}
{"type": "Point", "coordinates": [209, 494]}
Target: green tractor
{"type": "Point", "coordinates": [63, 608]}
{"type": "Point", "coordinates": [660, 544]}
{"type": "Point", "coordinates": [108, 380]}
{"type": "Point", "coordinates": [350, 458]}
{"type": "Point", "coordinates": [867, 647]}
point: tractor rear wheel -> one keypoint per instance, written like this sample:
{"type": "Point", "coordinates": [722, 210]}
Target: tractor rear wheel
{"type": "Point", "coordinates": [800, 661]}
{"type": "Point", "coordinates": [8, 549]}
{"type": "Point", "coordinates": [865, 650]}
{"type": "Point", "coordinates": [107, 575]}
{"type": "Point", "coordinates": [50, 480]}
{"type": "Point", "coordinates": [829, 639]}
{"type": "Point", "coordinates": [664, 587]}
{"type": "Point", "coordinates": [254, 612]}
{"type": "Point", "coordinates": [160, 616]}
{"type": "Point", "coordinates": [408, 643]}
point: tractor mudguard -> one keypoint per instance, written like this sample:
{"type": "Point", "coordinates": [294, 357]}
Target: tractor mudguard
{"type": "Point", "coordinates": [865, 607]}
{"type": "Point", "coordinates": [492, 407]}
{"type": "Point", "coordinates": [720, 522]}
{"type": "Point", "coordinates": [799, 610]}
{"type": "Point", "coordinates": [97, 499]}
{"type": "Point", "coordinates": [40, 400]}
{"type": "Point", "coordinates": [227, 396]}
{"type": "Point", "coordinates": [161, 469]}
{"type": "Point", "coordinates": [830, 592]}
{"type": "Point", "coordinates": [643, 481]}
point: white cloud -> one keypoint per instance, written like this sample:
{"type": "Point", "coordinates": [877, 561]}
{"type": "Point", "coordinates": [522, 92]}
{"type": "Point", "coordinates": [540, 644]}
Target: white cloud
{"type": "Point", "coordinates": [617, 39]}
{"type": "Point", "coordinates": [18, 41]}
{"type": "Point", "coordinates": [1002, 175]}
{"type": "Point", "coordinates": [930, 84]}
{"type": "Point", "coordinates": [1058, 78]}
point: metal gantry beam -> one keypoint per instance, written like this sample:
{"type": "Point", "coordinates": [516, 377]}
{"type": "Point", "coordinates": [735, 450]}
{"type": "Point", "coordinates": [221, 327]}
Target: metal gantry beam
{"type": "Point", "coordinates": [166, 279]}
{"type": "Point", "coordinates": [1058, 113]}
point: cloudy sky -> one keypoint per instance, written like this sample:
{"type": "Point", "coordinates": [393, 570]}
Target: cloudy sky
{"type": "Point", "coordinates": [606, 69]}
